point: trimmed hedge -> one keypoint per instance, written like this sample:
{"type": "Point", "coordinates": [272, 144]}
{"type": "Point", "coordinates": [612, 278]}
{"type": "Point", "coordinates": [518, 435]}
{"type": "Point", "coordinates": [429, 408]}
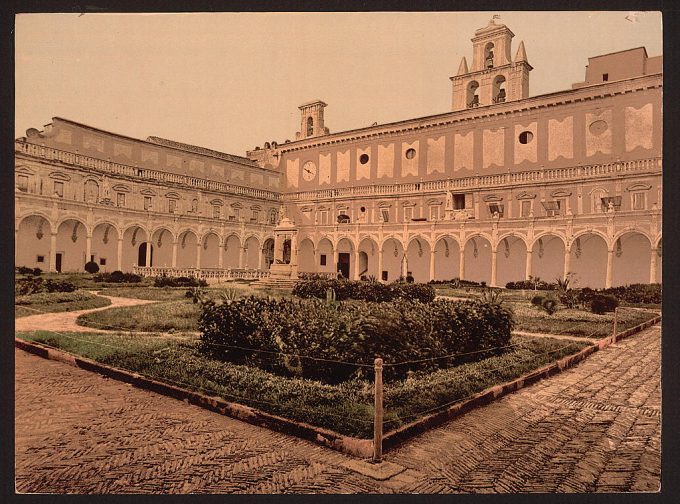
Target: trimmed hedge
{"type": "Point", "coordinates": [603, 303]}
{"type": "Point", "coordinates": [266, 329]}
{"type": "Point", "coordinates": [34, 285]}
{"type": "Point", "coordinates": [25, 270]}
{"type": "Point", "coordinates": [364, 291]}
{"type": "Point", "coordinates": [91, 267]}
{"type": "Point", "coordinates": [531, 285]}
{"type": "Point", "coordinates": [166, 281]}
{"type": "Point", "coordinates": [117, 277]}
{"type": "Point", "coordinates": [456, 283]}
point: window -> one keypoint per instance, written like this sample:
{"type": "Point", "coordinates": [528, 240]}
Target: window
{"type": "Point", "coordinates": [611, 203]}
{"type": "Point", "coordinates": [525, 208]}
{"type": "Point", "coordinates": [605, 77]}
{"type": "Point", "coordinates": [552, 208]}
{"type": "Point", "coordinates": [363, 159]}
{"type": "Point", "coordinates": [639, 201]}
{"type": "Point", "coordinates": [120, 199]}
{"type": "Point", "coordinates": [408, 213]}
{"type": "Point", "coordinates": [237, 214]}
{"type": "Point", "coordinates": [40, 259]}
{"type": "Point", "coordinates": [434, 213]}
{"type": "Point", "coordinates": [473, 95]}
{"type": "Point", "coordinates": [488, 55]}
{"type": "Point", "coordinates": [172, 205]}
{"type": "Point", "coordinates": [59, 189]}
{"type": "Point", "coordinates": [194, 206]}
{"type": "Point", "coordinates": [255, 216]}
{"type": "Point", "coordinates": [385, 214]}
{"type": "Point", "coordinates": [343, 218]}
{"type": "Point", "coordinates": [496, 209]}
{"type": "Point", "coordinates": [459, 202]}
{"type": "Point", "coordinates": [310, 126]}
{"type": "Point", "coordinates": [322, 259]}
{"type": "Point", "coordinates": [525, 137]}
{"type": "Point", "coordinates": [410, 153]}
{"type": "Point", "coordinates": [22, 183]}
{"type": "Point", "coordinates": [102, 261]}
{"type": "Point", "coordinates": [216, 211]}
{"type": "Point", "coordinates": [91, 191]}
{"type": "Point", "coordinates": [499, 89]}
{"type": "Point", "coordinates": [323, 217]}
{"type": "Point", "coordinates": [272, 216]}
{"type": "Point", "coordinates": [147, 202]}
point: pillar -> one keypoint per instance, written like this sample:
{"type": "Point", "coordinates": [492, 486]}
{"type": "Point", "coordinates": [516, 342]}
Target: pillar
{"type": "Point", "coordinates": [120, 254]}
{"type": "Point", "coordinates": [432, 265]}
{"type": "Point", "coordinates": [380, 265]}
{"type": "Point", "coordinates": [148, 253]}
{"type": "Point", "coordinates": [493, 268]}
{"type": "Point", "coordinates": [567, 262]}
{"type": "Point", "coordinates": [53, 252]}
{"type": "Point", "coordinates": [461, 263]}
{"type": "Point", "coordinates": [260, 258]}
{"type": "Point", "coordinates": [16, 244]}
{"type": "Point", "coordinates": [241, 256]}
{"type": "Point", "coordinates": [174, 253]}
{"type": "Point", "coordinates": [529, 271]}
{"type": "Point", "coordinates": [88, 248]}
{"type": "Point", "coordinates": [198, 254]}
{"type": "Point", "coordinates": [293, 249]}
{"type": "Point", "coordinates": [653, 266]}
{"type": "Point", "coordinates": [610, 264]}
{"type": "Point", "coordinates": [356, 264]}
{"type": "Point", "coordinates": [336, 259]}
{"type": "Point", "coordinates": [220, 255]}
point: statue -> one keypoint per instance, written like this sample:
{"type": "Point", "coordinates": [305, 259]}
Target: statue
{"type": "Point", "coordinates": [449, 201]}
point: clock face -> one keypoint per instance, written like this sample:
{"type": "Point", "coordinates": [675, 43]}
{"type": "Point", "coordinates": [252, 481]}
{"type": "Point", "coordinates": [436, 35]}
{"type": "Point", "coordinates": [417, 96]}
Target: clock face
{"type": "Point", "coordinates": [308, 171]}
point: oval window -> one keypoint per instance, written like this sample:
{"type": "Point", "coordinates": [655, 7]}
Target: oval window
{"type": "Point", "coordinates": [363, 159]}
{"type": "Point", "coordinates": [410, 153]}
{"type": "Point", "coordinates": [598, 127]}
{"type": "Point", "coordinates": [525, 137]}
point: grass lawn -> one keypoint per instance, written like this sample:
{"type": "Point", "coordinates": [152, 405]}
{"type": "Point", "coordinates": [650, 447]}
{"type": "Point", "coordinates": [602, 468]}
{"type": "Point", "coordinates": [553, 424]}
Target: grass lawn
{"type": "Point", "coordinates": [146, 292]}
{"type": "Point", "coordinates": [52, 302]}
{"type": "Point", "coordinates": [179, 315]}
{"type": "Point", "coordinates": [346, 408]}
{"type": "Point", "coordinates": [84, 280]}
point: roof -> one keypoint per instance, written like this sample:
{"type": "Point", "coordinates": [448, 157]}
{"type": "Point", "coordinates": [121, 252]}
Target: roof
{"type": "Point", "coordinates": [619, 52]}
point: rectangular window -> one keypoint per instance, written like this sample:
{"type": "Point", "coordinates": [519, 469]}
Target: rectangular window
{"type": "Point", "coordinates": [172, 205]}
{"type": "Point", "coordinates": [639, 201]}
{"type": "Point", "coordinates": [40, 259]}
{"type": "Point", "coordinates": [22, 183]}
{"type": "Point", "coordinates": [459, 201]}
{"type": "Point", "coordinates": [408, 213]}
{"type": "Point", "coordinates": [552, 208]}
{"type": "Point", "coordinates": [120, 199]}
{"type": "Point", "coordinates": [102, 261]}
{"type": "Point", "coordinates": [59, 189]}
{"type": "Point", "coordinates": [496, 209]}
{"type": "Point", "coordinates": [434, 213]}
{"type": "Point", "coordinates": [385, 213]}
{"type": "Point", "coordinates": [147, 202]}
{"type": "Point", "coordinates": [322, 260]}
{"type": "Point", "coordinates": [605, 77]}
{"type": "Point", "coordinates": [216, 212]}
{"type": "Point", "coordinates": [323, 217]}
{"type": "Point", "coordinates": [237, 214]}
{"type": "Point", "coordinates": [611, 203]}
{"type": "Point", "coordinates": [525, 208]}
{"type": "Point", "coordinates": [256, 215]}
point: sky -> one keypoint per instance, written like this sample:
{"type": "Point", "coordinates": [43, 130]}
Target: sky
{"type": "Point", "coordinates": [231, 81]}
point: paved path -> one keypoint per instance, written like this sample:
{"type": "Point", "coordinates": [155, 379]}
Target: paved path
{"type": "Point", "coordinates": [595, 427]}
{"type": "Point", "coordinates": [66, 321]}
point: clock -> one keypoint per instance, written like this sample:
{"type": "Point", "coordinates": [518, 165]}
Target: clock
{"type": "Point", "coordinates": [308, 171]}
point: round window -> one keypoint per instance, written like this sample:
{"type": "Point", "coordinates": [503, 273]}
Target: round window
{"type": "Point", "coordinates": [525, 137]}
{"type": "Point", "coordinates": [363, 159]}
{"type": "Point", "coordinates": [363, 209]}
{"type": "Point", "coordinates": [598, 127]}
{"type": "Point", "coordinates": [410, 153]}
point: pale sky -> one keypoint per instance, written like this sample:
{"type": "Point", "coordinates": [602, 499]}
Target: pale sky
{"type": "Point", "coordinates": [231, 81]}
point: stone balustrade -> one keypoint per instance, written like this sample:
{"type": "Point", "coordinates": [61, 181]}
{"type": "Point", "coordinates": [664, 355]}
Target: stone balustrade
{"type": "Point", "coordinates": [208, 274]}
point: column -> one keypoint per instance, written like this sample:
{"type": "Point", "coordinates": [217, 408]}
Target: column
{"type": "Point", "coordinates": [16, 244]}
{"type": "Point", "coordinates": [148, 253]}
{"type": "Point", "coordinates": [174, 253]}
{"type": "Point", "coordinates": [356, 264]}
{"type": "Point", "coordinates": [432, 265]}
{"type": "Point", "coordinates": [529, 271]}
{"type": "Point", "coordinates": [293, 249]}
{"type": "Point", "coordinates": [461, 263]}
{"type": "Point", "coordinates": [653, 266]}
{"type": "Point", "coordinates": [567, 262]}
{"type": "Point", "coordinates": [53, 252]}
{"type": "Point", "coordinates": [120, 254]}
{"type": "Point", "coordinates": [220, 255]}
{"type": "Point", "coordinates": [198, 255]}
{"type": "Point", "coordinates": [260, 258]}
{"type": "Point", "coordinates": [336, 260]}
{"type": "Point", "coordinates": [380, 265]}
{"type": "Point", "coordinates": [88, 248]}
{"type": "Point", "coordinates": [241, 256]}
{"type": "Point", "coordinates": [493, 268]}
{"type": "Point", "coordinates": [610, 264]}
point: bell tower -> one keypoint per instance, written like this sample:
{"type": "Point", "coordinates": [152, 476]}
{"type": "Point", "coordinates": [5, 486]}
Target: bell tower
{"type": "Point", "coordinates": [311, 123]}
{"type": "Point", "coordinates": [493, 76]}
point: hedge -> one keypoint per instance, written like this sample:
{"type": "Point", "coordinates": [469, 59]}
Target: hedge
{"type": "Point", "coordinates": [33, 285]}
{"type": "Point", "coordinates": [355, 333]}
{"type": "Point", "coordinates": [117, 277]}
{"type": "Point", "coordinates": [166, 281]}
{"type": "Point", "coordinates": [365, 291]}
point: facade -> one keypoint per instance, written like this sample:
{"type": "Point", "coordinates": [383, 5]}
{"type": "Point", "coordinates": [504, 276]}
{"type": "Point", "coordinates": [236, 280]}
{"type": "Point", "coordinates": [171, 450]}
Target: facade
{"type": "Point", "coordinates": [503, 187]}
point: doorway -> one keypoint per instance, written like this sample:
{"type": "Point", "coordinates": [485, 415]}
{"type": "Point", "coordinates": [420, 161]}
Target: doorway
{"type": "Point", "coordinates": [141, 256]}
{"type": "Point", "coordinates": [343, 264]}
{"type": "Point", "coordinates": [57, 263]}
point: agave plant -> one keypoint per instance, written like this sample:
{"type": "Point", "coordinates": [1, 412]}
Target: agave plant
{"type": "Point", "coordinates": [492, 296]}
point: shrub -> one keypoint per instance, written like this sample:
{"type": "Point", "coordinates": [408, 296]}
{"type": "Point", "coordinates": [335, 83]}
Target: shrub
{"type": "Point", "coordinates": [117, 277]}
{"type": "Point", "coordinates": [365, 291]}
{"type": "Point", "coordinates": [166, 281]}
{"type": "Point", "coordinates": [91, 267]}
{"type": "Point", "coordinates": [546, 303]}
{"type": "Point", "coordinates": [602, 303]}
{"type": "Point", "coordinates": [272, 334]}
{"type": "Point", "coordinates": [25, 270]}
{"type": "Point", "coordinates": [531, 284]}
{"type": "Point", "coordinates": [34, 285]}
{"type": "Point", "coordinates": [537, 300]}
{"type": "Point", "coordinates": [455, 283]}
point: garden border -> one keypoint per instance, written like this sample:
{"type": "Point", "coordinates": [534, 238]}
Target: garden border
{"type": "Point", "coordinates": [362, 448]}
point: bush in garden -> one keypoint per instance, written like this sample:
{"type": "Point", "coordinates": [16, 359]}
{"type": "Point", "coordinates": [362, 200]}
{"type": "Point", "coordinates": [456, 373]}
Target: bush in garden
{"type": "Point", "coordinates": [603, 303]}
{"type": "Point", "coordinates": [365, 291]}
{"type": "Point", "coordinates": [546, 303]}
{"type": "Point", "coordinates": [272, 334]}
{"type": "Point", "coordinates": [117, 277]}
{"type": "Point", "coordinates": [91, 267]}
{"type": "Point", "coordinates": [537, 300]}
{"type": "Point", "coordinates": [455, 283]}
{"type": "Point", "coordinates": [166, 281]}
{"type": "Point", "coordinates": [34, 285]}
{"type": "Point", "coordinates": [531, 284]}
{"type": "Point", "coordinates": [25, 270]}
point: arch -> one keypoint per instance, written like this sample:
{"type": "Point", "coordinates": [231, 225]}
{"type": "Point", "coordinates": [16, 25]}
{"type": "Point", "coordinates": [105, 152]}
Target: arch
{"type": "Point", "coordinates": [142, 256]}
{"type": "Point", "coordinates": [477, 234]}
{"type": "Point", "coordinates": [35, 213]}
{"type": "Point", "coordinates": [418, 259]}
{"type": "Point", "coordinates": [91, 191]}
{"type": "Point", "coordinates": [33, 242]}
{"type": "Point", "coordinates": [446, 258]}
{"type": "Point", "coordinates": [391, 237]}
{"type": "Point", "coordinates": [477, 257]}
{"type": "Point", "coordinates": [472, 93]}
{"type": "Point", "coordinates": [232, 251]}
{"type": "Point", "coordinates": [342, 241]}
{"type": "Point", "coordinates": [595, 201]}
{"type": "Point", "coordinates": [513, 234]}
{"type": "Point", "coordinates": [228, 236]}
{"type": "Point", "coordinates": [632, 229]}
{"type": "Point", "coordinates": [325, 258]}
{"type": "Point", "coordinates": [187, 253]}
{"type": "Point", "coordinates": [591, 232]}
{"type": "Point", "coordinates": [632, 258]}
{"type": "Point", "coordinates": [659, 260]}
{"type": "Point", "coordinates": [588, 253]}
{"type": "Point", "coordinates": [511, 259]}
{"type": "Point", "coordinates": [162, 239]}
{"type": "Point", "coordinates": [310, 126]}
{"type": "Point", "coordinates": [488, 55]}
{"type": "Point", "coordinates": [268, 252]}
{"type": "Point", "coordinates": [105, 246]}
{"type": "Point", "coordinates": [547, 258]}
{"type": "Point", "coordinates": [305, 258]}
{"type": "Point", "coordinates": [133, 237]}
{"type": "Point", "coordinates": [394, 265]}
{"type": "Point", "coordinates": [71, 217]}
{"type": "Point", "coordinates": [368, 257]}
{"type": "Point", "coordinates": [252, 252]}
{"type": "Point", "coordinates": [72, 244]}
{"type": "Point", "coordinates": [499, 89]}
{"type": "Point", "coordinates": [210, 253]}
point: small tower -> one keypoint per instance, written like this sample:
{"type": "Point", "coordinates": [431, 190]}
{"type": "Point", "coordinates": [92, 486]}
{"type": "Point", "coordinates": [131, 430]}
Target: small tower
{"type": "Point", "coordinates": [493, 77]}
{"type": "Point", "coordinates": [311, 123]}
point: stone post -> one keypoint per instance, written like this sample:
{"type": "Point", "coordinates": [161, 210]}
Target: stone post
{"type": "Point", "coordinates": [529, 271]}
{"type": "Point", "coordinates": [610, 264]}
{"type": "Point", "coordinates": [88, 248]}
{"type": "Point", "coordinates": [148, 254]}
{"type": "Point", "coordinates": [493, 268]}
{"type": "Point", "coordinates": [120, 254]}
{"type": "Point", "coordinates": [567, 262]}
{"type": "Point", "coordinates": [198, 254]}
{"type": "Point", "coordinates": [174, 253]}
{"type": "Point", "coordinates": [653, 266]}
{"type": "Point", "coordinates": [432, 264]}
{"type": "Point", "coordinates": [380, 265]}
{"type": "Point", "coordinates": [53, 252]}
{"type": "Point", "coordinates": [356, 264]}
{"type": "Point", "coordinates": [461, 263]}
{"type": "Point", "coordinates": [241, 257]}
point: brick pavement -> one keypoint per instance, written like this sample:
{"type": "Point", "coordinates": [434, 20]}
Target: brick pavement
{"type": "Point", "coordinates": [595, 427]}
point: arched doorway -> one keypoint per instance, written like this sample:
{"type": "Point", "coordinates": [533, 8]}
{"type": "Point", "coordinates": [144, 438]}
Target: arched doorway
{"type": "Point", "coordinates": [547, 258]}
{"type": "Point", "coordinates": [589, 260]}
{"type": "Point", "coordinates": [632, 259]}
{"type": "Point", "coordinates": [132, 238]}
{"type": "Point", "coordinates": [393, 260]}
{"type": "Point", "coordinates": [162, 248]}
{"type": "Point", "coordinates": [187, 250]}
{"type": "Point", "coordinates": [268, 252]}
{"type": "Point", "coordinates": [33, 243]}
{"type": "Point", "coordinates": [71, 246]}
{"type": "Point", "coordinates": [105, 247]}
{"type": "Point", "coordinates": [305, 256]}
{"type": "Point", "coordinates": [368, 259]}
{"type": "Point", "coordinates": [478, 259]}
{"type": "Point", "coordinates": [511, 260]}
{"type": "Point", "coordinates": [141, 255]}
{"type": "Point", "coordinates": [418, 260]}
{"type": "Point", "coordinates": [446, 259]}
{"type": "Point", "coordinates": [252, 253]}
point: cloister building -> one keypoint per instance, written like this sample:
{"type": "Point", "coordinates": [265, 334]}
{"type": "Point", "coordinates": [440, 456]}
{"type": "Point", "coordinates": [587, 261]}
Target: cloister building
{"type": "Point", "coordinates": [502, 187]}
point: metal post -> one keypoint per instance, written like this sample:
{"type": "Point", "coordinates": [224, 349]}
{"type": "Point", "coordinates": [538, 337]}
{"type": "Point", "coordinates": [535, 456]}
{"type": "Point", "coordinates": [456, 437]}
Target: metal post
{"type": "Point", "coordinates": [378, 419]}
{"type": "Point", "coordinates": [615, 316]}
